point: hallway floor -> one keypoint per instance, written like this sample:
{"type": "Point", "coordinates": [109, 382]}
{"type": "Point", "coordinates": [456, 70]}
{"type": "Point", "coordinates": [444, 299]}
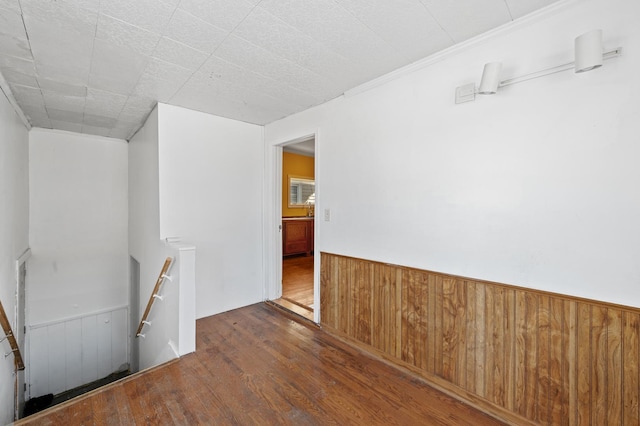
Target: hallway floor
{"type": "Point", "coordinates": [255, 365]}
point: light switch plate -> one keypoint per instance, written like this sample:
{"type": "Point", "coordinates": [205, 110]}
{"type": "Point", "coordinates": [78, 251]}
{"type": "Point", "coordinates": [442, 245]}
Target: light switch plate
{"type": "Point", "coordinates": [327, 215]}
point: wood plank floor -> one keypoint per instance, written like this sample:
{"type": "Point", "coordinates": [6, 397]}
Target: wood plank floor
{"type": "Point", "coordinates": [257, 366]}
{"type": "Point", "coordinates": [297, 280]}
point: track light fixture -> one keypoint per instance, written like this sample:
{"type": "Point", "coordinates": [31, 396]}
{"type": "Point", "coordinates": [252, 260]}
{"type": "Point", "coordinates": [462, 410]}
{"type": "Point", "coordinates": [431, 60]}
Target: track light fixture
{"type": "Point", "coordinates": [588, 56]}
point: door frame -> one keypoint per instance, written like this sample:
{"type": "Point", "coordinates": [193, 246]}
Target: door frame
{"type": "Point", "coordinates": [21, 335]}
{"type": "Point", "coordinates": [273, 220]}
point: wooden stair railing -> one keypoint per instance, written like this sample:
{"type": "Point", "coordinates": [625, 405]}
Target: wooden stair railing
{"type": "Point", "coordinates": [154, 295]}
{"type": "Point", "coordinates": [8, 335]}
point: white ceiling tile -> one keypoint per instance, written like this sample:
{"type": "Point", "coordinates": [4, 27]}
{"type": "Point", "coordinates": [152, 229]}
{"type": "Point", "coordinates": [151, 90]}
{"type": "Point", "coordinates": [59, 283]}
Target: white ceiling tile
{"type": "Point", "coordinates": [179, 54]}
{"type": "Point", "coordinates": [158, 68]}
{"type": "Point", "coordinates": [32, 110]}
{"type": "Point", "coordinates": [67, 116]}
{"type": "Point", "coordinates": [151, 15]}
{"type": "Point", "coordinates": [135, 110]}
{"type": "Point", "coordinates": [115, 69]}
{"type": "Point", "coordinates": [104, 103]}
{"type": "Point", "coordinates": [122, 132]}
{"type": "Point", "coordinates": [40, 121]}
{"type": "Point", "coordinates": [18, 78]}
{"type": "Point", "coordinates": [75, 77]}
{"type": "Point", "coordinates": [404, 24]}
{"type": "Point", "coordinates": [98, 120]}
{"type": "Point", "coordinates": [266, 63]}
{"type": "Point", "coordinates": [62, 88]}
{"type": "Point", "coordinates": [11, 23]}
{"type": "Point", "coordinates": [156, 88]}
{"type": "Point", "coordinates": [464, 19]}
{"type": "Point", "coordinates": [194, 32]}
{"type": "Point", "coordinates": [224, 14]}
{"type": "Point", "coordinates": [265, 30]}
{"type": "Point", "coordinates": [27, 95]}
{"type": "Point", "coordinates": [337, 28]}
{"type": "Point", "coordinates": [217, 68]}
{"type": "Point", "coordinates": [58, 48]}
{"type": "Point", "coordinates": [65, 125]}
{"type": "Point", "coordinates": [21, 65]}
{"type": "Point", "coordinates": [125, 35]}
{"type": "Point", "coordinates": [63, 102]}
{"type": "Point", "coordinates": [520, 8]}
{"type": "Point", "coordinates": [13, 5]}
{"type": "Point", "coordinates": [78, 16]}
{"type": "Point", "coordinates": [14, 46]}
{"type": "Point", "coordinates": [96, 130]}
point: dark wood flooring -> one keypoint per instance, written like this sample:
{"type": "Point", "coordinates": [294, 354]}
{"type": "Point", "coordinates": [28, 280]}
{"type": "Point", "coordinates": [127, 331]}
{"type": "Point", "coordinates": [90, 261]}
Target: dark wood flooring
{"type": "Point", "coordinates": [258, 366]}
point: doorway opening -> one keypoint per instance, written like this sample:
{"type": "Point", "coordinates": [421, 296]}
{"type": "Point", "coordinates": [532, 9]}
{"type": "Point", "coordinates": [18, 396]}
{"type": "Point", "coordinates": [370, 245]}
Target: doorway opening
{"type": "Point", "coordinates": [297, 227]}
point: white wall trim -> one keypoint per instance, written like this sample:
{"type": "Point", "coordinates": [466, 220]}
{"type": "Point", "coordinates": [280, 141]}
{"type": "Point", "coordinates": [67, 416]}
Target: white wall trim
{"type": "Point", "coordinates": [75, 317]}
{"type": "Point", "coordinates": [460, 47]}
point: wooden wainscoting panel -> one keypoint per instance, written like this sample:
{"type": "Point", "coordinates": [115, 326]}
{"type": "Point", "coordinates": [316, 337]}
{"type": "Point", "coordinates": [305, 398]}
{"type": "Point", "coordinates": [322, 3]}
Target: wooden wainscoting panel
{"type": "Point", "coordinates": [631, 355]}
{"type": "Point", "coordinates": [524, 354]}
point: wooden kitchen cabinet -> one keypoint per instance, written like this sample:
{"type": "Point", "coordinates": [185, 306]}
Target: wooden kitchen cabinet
{"type": "Point", "coordinates": [297, 235]}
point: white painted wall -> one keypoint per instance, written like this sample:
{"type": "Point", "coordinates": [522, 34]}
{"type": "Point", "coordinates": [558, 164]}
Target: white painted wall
{"type": "Point", "coordinates": [14, 232]}
{"type": "Point", "coordinates": [536, 186]}
{"type": "Point", "coordinates": [172, 329]}
{"type": "Point", "coordinates": [78, 224]}
{"type": "Point", "coordinates": [211, 186]}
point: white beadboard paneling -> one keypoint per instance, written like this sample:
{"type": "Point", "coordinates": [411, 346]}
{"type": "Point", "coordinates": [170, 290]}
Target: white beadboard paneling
{"type": "Point", "coordinates": [73, 337]}
{"type": "Point", "coordinates": [89, 349]}
{"type": "Point", "coordinates": [57, 358]}
{"type": "Point", "coordinates": [103, 335]}
{"type": "Point", "coordinates": [119, 345]}
{"type": "Point", "coordinates": [39, 362]}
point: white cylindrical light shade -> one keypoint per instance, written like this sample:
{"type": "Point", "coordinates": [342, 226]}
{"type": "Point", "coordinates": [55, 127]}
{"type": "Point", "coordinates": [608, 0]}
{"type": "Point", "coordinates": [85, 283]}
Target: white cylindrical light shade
{"type": "Point", "coordinates": [588, 51]}
{"type": "Point", "coordinates": [490, 78]}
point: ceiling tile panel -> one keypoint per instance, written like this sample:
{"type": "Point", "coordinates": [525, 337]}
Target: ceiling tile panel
{"type": "Point", "coordinates": [103, 103]}
{"type": "Point", "coordinates": [33, 110]}
{"type": "Point", "coordinates": [14, 46]}
{"type": "Point", "coordinates": [179, 54]}
{"type": "Point", "coordinates": [227, 71]}
{"type": "Point", "coordinates": [519, 8]}
{"type": "Point", "coordinates": [267, 31]}
{"type": "Point", "coordinates": [64, 125]}
{"type": "Point", "coordinates": [98, 120]}
{"type": "Point", "coordinates": [151, 15]}
{"type": "Point", "coordinates": [123, 34]}
{"type": "Point", "coordinates": [13, 5]}
{"type": "Point", "coordinates": [464, 19]}
{"type": "Point", "coordinates": [62, 88]}
{"type": "Point", "coordinates": [23, 66]}
{"type": "Point", "coordinates": [27, 95]}
{"type": "Point", "coordinates": [66, 116]}
{"type": "Point", "coordinates": [405, 24]}
{"type": "Point", "coordinates": [224, 14]}
{"type": "Point", "coordinates": [63, 102]}
{"type": "Point", "coordinates": [78, 16]}
{"type": "Point", "coordinates": [57, 48]}
{"type": "Point", "coordinates": [115, 69]}
{"type": "Point", "coordinates": [194, 32]}
{"type": "Point", "coordinates": [268, 64]}
{"type": "Point", "coordinates": [18, 78]}
{"type": "Point", "coordinates": [95, 130]}
{"type": "Point", "coordinates": [11, 23]}
{"type": "Point", "coordinates": [340, 31]}
{"type": "Point", "coordinates": [122, 132]}
{"type": "Point", "coordinates": [40, 121]}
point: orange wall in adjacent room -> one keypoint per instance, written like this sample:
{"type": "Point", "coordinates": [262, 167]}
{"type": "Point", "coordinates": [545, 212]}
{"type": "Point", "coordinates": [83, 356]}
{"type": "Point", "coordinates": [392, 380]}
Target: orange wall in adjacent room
{"type": "Point", "coordinates": [295, 165]}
